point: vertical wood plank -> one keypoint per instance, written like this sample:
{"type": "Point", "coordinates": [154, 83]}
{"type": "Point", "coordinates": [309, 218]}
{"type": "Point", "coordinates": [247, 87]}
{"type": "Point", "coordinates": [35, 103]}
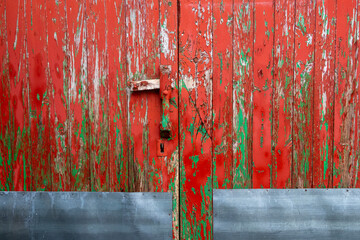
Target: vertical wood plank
{"type": "Point", "coordinates": [303, 94]}
{"type": "Point", "coordinates": [169, 84]}
{"type": "Point", "coordinates": [118, 101]}
{"type": "Point", "coordinates": [19, 94]}
{"type": "Point", "coordinates": [281, 135]}
{"type": "Point", "coordinates": [195, 36]}
{"type": "Point", "coordinates": [222, 93]}
{"type": "Point", "coordinates": [58, 63]}
{"type": "Point", "coordinates": [39, 87]}
{"type": "Point", "coordinates": [98, 93]}
{"type": "Point", "coordinates": [357, 118]}
{"type": "Point", "coordinates": [345, 96]}
{"type": "Point", "coordinates": [243, 74]}
{"type": "Point", "coordinates": [263, 78]}
{"type": "Point", "coordinates": [151, 70]}
{"type": "Point", "coordinates": [143, 56]}
{"type": "Point", "coordinates": [5, 131]}
{"type": "Point", "coordinates": [324, 93]}
{"type": "Point", "coordinates": [79, 96]}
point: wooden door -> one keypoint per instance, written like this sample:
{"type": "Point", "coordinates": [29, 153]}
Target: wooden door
{"type": "Point", "coordinates": [250, 94]}
{"type": "Point", "coordinates": [152, 53]}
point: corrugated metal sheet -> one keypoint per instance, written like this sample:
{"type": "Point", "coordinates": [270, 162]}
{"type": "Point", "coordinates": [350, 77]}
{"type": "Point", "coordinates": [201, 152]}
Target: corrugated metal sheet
{"type": "Point", "coordinates": [81, 215]}
{"type": "Point", "coordinates": [287, 214]}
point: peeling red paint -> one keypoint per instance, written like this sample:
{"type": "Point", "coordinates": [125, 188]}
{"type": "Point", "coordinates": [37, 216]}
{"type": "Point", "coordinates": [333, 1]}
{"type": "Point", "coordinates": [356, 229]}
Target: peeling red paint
{"type": "Point", "coordinates": [247, 94]}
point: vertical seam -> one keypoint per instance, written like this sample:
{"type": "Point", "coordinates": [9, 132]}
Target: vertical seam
{"type": "Point", "coordinates": [292, 181]}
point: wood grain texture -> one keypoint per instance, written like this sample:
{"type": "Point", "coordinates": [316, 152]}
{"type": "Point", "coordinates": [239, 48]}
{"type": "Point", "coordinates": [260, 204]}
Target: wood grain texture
{"type": "Point", "coordinates": [58, 64]}
{"type": "Point", "coordinates": [195, 66]}
{"type": "Point", "coordinates": [79, 96]}
{"type": "Point", "coordinates": [345, 145]}
{"type": "Point", "coordinates": [39, 88]}
{"type": "Point", "coordinates": [263, 90]}
{"type": "Point", "coordinates": [118, 98]}
{"type": "Point", "coordinates": [222, 93]}
{"type": "Point", "coordinates": [169, 82]}
{"type": "Point", "coordinates": [97, 68]}
{"type": "Point", "coordinates": [357, 117]}
{"type": "Point", "coordinates": [304, 94]}
{"type": "Point", "coordinates": [243, 74]}
{"type": "Point", "coordinates": [324, 93]}
{"type": "Point", "coordinates": [282, 105]}
{"type": "Point", "coordinates": [5, 127]}
{"type": "Point", "coordinates": [143, 57]}
{"type": "Point", "coordinates": [19, 94]}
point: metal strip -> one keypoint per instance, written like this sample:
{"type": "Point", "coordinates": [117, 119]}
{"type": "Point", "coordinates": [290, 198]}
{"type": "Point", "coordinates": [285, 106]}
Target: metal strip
{"type": "Point", "coordinates": [144, 85]}
{"type": "Point", "coordinates": [81, 215]}
{"type": "Point", "coordinates": [287, 214]}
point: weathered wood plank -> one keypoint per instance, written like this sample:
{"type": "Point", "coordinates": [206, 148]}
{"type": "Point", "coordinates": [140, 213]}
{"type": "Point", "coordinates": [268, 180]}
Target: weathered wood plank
{"type": "Point", "coordinates": [152, 71]}
{"type": "Point", "coordinates": [302, 166]}
{"type": "Point", "coordinates": [58, 63]}
{"type": "Point", "coordinates": [345, 95]}
{"type": "Point", "coordinates": [263, 78]}
{"type": "Point", "coordinates": [118, 101]}
{"type": "Point", "coordinates": [5, 130]}
{"type": "Point", "coordinates": [96, 34]}
{"type": "Point", "coordinates": [39, 86]}
{"type": "Point", "coordinates": [243, 74]}
{"type": "Point", "coordinates": [79, 96]}
{"type": "Point", "coordinates": [195, 36]}
{"type": "Point", "coordinates": [357, 119]}
{"type": "Point", "coordinates": [19, 94]}
{"type": "Point", "coordinates": [282, 114]}
{"type": "Point", "coordinates": [143, 58]}
{"type": "Point", "coordinates": [169, 86]}
{"type": "Point", "coordinates": [222, 93]}
{"type": "Point", "coordinates": [324, 93]}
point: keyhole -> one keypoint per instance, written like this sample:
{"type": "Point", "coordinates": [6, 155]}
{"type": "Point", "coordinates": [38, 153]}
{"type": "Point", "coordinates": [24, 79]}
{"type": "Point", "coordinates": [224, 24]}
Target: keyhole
{"type": "Point", "coordinates": [162, 147]}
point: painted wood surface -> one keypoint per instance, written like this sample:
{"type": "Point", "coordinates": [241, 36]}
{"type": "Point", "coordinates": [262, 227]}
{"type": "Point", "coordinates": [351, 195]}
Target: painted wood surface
{"type": "Point", "coordinates": [262, 92]}
{"type": "Point", "coordinates": [324, 83]}
{"type": "Point", "coordinates": [143, 62]}
{"type": "Point", "coordinates": [243, 80]}
{"type": "Point", "coordinates": [252, 94]}
{"type": "Point", "coordinates": [97, 68]}
{"type": "Point", "coordinates": [5, 131]}
{"type": "Point", "coordinates": [222, 94]}
{"type": "Point", "coordinates": [282, 107]}
{"type": "Point", "coordinates": [346, 147]}
{"type": "Point", "coordinates": [59, 94]}
{"type": "Point", "coordinates": [196, 140]}
{"type": "Point", "coordinates": [303, 94]}
{"type": "Point", "coordinates": [169, 89]}
{"type": "Point", "coordinates": [118, 96]}
{"type": "Point", "coordinates": [39, 87]}
{"type": "Point", "coordinates": [17, 69]}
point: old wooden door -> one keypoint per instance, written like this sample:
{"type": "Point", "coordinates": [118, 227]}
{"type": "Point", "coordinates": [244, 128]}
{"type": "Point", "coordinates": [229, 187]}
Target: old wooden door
{"type": "Point", "coordinates": [251, 94]}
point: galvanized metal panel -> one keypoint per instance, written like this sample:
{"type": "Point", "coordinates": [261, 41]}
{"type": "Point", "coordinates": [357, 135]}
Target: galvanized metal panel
{"type": "Point", "coordinates": [81, 215]}
{"type": "Point", "coordinates": [287, 214]}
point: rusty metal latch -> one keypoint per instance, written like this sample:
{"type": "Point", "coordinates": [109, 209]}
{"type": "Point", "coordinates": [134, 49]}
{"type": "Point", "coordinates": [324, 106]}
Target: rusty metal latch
{"type": "Point", "coordinates": [165, 124]}
{"type": "Point", "coordinates": [144, 85]}
{"type": "Point", "coordinates": [165, 91]}
{"type": "Point", "coordinates": [164, 85]}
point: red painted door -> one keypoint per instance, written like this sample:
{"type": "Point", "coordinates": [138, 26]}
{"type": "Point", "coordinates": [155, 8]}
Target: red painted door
{"type": "Point", "coordinates": [153, 98]}
{"type": "Point", "coordinates": [179, 95]}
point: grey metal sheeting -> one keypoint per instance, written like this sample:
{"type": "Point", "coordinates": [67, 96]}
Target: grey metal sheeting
{"type": "Point", "coordinates": [81, 215]}
{"type": "Point", "coordinates": [287, 214]}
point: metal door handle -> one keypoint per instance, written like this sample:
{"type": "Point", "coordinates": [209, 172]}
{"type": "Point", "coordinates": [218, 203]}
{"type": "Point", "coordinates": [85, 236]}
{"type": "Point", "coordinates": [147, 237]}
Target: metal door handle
{"type": "Point", "coordinates": [164, 85]}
